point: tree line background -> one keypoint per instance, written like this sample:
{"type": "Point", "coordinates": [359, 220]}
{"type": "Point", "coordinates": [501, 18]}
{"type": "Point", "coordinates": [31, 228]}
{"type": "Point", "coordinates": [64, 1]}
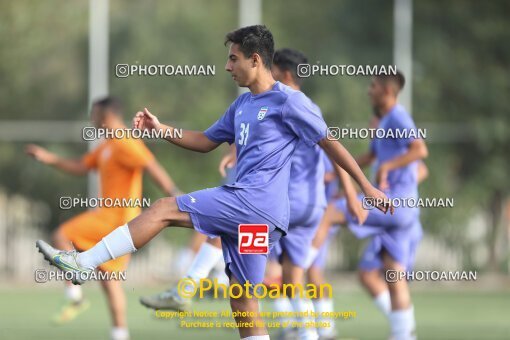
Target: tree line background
{"type": "Point", "coordinates": [461, 60]}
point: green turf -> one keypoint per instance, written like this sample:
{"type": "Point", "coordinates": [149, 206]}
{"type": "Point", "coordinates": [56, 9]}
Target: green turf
{"type": "Point", "coordinates": [25, 314]}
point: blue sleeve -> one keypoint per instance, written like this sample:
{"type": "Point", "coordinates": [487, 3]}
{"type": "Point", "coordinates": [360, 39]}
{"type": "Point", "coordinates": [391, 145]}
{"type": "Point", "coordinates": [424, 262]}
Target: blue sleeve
{"type": "Point", "coordinates": [304, 119]}
{"type": "Point", "coordinates": [403, 122]}
{"type": "Point", "coordinates": [223, 129]}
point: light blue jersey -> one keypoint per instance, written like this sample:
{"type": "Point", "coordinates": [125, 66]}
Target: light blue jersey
{"type": "Point", "coordinates": [404, 180]}
{"type": "Point", "coordinates": [266, 129]}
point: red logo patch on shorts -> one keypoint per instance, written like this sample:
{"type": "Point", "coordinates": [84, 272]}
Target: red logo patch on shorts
{"type": "Point", "coordinates": [253, 239]}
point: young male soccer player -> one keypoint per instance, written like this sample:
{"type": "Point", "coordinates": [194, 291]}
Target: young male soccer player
{"type": "Point", "coordinates": [393, 240]}
{"type": "Point", "coordinates": [120, 163]}
{"type": "Point", "coordinates": [369, 272]}
{"type": "Point", "coordinates": [266, 124]}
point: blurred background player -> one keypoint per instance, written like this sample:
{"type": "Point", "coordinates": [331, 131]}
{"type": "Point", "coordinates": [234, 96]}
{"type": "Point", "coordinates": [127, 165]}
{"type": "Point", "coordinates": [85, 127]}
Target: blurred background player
{"type": "Point", "coordinates": [393, 239]}
{"type": "Point", "coordinates": [370, 269]}
{"type": "Point", "coordinates": [120, 164]}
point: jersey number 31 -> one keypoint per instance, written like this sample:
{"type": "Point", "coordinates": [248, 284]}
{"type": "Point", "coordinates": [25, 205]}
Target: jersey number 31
{"type": "Point", "coordinates": [245, 131]}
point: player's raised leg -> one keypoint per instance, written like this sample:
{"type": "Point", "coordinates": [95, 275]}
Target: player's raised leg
{"type": "Point", "coordinates": [123, 240]}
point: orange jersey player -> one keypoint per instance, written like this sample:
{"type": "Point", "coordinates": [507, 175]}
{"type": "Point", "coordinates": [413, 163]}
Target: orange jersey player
{"type": "Point", "coordinates": [120, 164]}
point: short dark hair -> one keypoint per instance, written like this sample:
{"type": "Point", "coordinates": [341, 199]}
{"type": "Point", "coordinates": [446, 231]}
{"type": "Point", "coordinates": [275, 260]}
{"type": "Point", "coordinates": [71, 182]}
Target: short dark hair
{"type": "Point", "coordinates": [109, 103]}
{"type": "Point", "coordinates": [254, 39]}
{"type": "Point", "coordinates": [397, 79]}
{"type": "Point", "coordinates": [288, 59]}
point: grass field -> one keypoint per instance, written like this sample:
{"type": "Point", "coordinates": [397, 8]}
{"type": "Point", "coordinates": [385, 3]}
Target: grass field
{"type": "Point", "coordinates": [25, 314]}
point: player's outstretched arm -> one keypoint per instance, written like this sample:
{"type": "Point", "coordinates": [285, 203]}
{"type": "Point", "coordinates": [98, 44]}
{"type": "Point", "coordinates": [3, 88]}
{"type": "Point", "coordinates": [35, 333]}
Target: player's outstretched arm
{"type": "Point", "coordinates": [72, 166]}
{"type": "Point", "coordinates": [191, 140]}
{"type": "Point", "coordinates": [343, 158]}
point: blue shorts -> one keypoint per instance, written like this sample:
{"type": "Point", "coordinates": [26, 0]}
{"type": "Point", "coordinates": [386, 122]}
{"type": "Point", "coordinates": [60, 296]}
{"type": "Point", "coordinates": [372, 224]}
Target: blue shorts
{"type": "Point", "coordinates": [297, 242]}
{"type": "Point", "coordinates": [398, 234]}
{"type": "Point", "coordinates": [401, 245]}
{"type": "Point", "coordinates": [218, 212]}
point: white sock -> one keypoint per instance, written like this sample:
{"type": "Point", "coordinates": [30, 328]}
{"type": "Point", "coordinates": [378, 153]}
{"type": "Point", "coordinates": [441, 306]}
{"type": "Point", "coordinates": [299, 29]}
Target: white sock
{"type": "Point", "coordinates": [324, 305]}
{"type": "Point", "coordinates": [257, 337]}
{"type": "Point", "coordinates": [282, 305]}
{"type": "Point", "coordinates": [119, 333]}
{"type": "Point", "coordinates": [301, 306]}
{"type": "Point", "coordinates": [383, 302]}
{"type": "Point", "coordinates": [311, 256]}
{"type": "Point", "coordinates": [401, 322]}
{"type": "Point", "coordinates": [73, 293]}
{"type": "Point", "coordinates": [113, 245]}
{"type": "Point", "coordinates": [204, 261]}
{"type": "Point", "coordinates": [182, 261]}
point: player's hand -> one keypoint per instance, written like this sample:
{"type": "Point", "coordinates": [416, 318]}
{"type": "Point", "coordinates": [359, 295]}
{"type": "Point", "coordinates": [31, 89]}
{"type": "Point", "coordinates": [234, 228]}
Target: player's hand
{"type": "Point", "coordinates": [329, 177]}
{"type": "Point", "coordinates": [144, 120]}
{"type": "Point", "coordinates": [381, 201]}
{"type": "Point", "coordinates": [228, 161]}
{"type": "Point", "coordinates": [356, 210]}
{"type": "Point", "coordinates": [40, 154]}
{"type": "Point", "coordinates": [382, 177]}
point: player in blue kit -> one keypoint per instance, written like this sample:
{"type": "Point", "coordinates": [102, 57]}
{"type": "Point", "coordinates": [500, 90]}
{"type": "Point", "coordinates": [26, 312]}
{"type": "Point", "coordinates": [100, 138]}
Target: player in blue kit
{"type": "Point", "coordinates": [393, 240]}
{"type": "Point", "coordinates": [266, 124]}
{"type": "Point", "coordinates": [307, 203]}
